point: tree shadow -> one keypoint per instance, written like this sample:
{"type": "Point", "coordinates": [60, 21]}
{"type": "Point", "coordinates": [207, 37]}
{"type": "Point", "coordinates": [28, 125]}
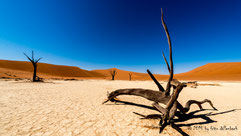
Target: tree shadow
{"type": "Point", "coordinates": [42, 82]}
{"type": "Point", "coordinates": [206, 117]}
{"type": "Point", "coordinates": [183, 117]}
{"type": "Point", "coordinates": [120, 102]}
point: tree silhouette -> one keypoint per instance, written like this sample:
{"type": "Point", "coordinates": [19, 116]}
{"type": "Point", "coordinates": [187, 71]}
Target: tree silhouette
{"type": "Point", "coordinates": [130, 75]}
{"type": "Point", "coordinates": [113, 73]}
{"type": "Point", "coordinates": [35, 64]}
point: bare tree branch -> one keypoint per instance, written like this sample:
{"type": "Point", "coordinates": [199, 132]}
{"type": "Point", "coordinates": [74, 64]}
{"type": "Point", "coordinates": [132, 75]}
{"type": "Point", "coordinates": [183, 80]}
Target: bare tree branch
{"type": "Point", "coordinates": [38, 60]}
{"type": "Point", "coordinates": [28, 58]}
{"type": "Point", "coordinates": [168, 67]}
{"type": "Point", "coordinates": [33, 56]}
{"type": "Point", "coordinates": [156, 82]}
{"type": "Point", "coordinates": [170, 56]}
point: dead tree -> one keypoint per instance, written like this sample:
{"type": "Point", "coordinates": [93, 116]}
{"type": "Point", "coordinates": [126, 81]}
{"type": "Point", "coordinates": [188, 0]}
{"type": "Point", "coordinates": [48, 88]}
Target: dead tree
{"type": "Point", "coordinates": [163, 95]}
{"type": "Point", "coordinates": [113, 73]}
{"type": "Point", "coordinates": [130, 75]}
{"type": "Point", "coordinates": [35, 64]}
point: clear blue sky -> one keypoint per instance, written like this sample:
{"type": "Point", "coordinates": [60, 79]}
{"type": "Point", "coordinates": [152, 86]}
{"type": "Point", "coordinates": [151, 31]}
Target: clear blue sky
{"type": "Point", "coordinates": [127, 34]}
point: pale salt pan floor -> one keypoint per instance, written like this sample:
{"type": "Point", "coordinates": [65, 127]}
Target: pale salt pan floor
{"type": "Point", "coordinates": [74, 108]}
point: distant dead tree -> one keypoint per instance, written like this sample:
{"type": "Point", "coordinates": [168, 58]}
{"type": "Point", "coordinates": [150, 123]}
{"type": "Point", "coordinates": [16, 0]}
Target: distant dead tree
{"type": "Point", "coordinates": [164, 96]}
{"type": "Point", "coordinates": [35, 64]}
{"type": "Point", "coordinates": [113, 73]}
{"type": "Point", "coordinates": [130, 75]}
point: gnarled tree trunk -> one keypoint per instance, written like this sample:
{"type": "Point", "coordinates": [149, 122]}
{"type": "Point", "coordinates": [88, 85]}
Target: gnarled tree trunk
{"type": "Point", "coordinates": [163, 95]}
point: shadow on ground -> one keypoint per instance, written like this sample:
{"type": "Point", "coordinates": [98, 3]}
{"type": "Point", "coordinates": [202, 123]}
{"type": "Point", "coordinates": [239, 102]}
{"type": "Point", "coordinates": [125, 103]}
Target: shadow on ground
{"type": "Point", "coordinates": [181, 117]}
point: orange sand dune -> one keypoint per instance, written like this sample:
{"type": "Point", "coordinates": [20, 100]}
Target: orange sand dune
{"type": "Point", "coordinates": [214, 71]}
{"type": "Point", "coordinates": [11, 73]}
{"type": "Point", "coordinates": [22, 67]}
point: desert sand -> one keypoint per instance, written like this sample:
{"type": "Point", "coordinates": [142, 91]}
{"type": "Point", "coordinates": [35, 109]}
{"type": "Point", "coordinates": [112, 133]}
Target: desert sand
{"type": "Point", "coordinates": [74, 108]}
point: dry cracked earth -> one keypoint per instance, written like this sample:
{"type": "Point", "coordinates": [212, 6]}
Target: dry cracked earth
{"type": "Point", "coordinates": [75, 108]}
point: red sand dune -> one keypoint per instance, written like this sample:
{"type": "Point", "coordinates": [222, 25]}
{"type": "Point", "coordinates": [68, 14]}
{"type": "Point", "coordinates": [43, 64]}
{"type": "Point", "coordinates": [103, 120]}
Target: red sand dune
{"type": "Point", "coordinates": [212, 71]}
{"type": "Point", "coordinates": [44, 69]}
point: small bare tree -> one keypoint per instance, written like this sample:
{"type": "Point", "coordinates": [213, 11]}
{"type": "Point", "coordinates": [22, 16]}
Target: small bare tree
{"type": "Point", "coordinates": [130, 75]}
{"type": "Point", "coordinates": [35, 64]}
{"type": "Point", "coordinates": [113, 73]}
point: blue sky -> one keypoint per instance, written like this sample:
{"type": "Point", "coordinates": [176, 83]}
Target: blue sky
{"type": "Point", "coordinates": [127, 34]}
